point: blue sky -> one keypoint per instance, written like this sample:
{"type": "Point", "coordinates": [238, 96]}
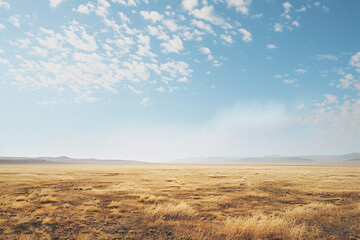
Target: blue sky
{"type": "Point", "coordinates": [162, 80]}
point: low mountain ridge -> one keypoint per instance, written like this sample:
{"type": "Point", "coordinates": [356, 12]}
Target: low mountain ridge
{"type": "Point", "coordinates": [64, 160]}
{"type": "Point", "coordinates": [270, 159]}
{"type": "Point", "coordinates": [275, 159]}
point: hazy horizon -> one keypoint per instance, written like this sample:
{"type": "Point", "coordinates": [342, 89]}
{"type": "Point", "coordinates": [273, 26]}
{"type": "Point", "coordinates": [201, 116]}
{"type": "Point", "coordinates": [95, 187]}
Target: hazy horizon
{"type": "Point", "coordinates": [155, 81]}
{"type": "Point", "coordinates": [269, 159]}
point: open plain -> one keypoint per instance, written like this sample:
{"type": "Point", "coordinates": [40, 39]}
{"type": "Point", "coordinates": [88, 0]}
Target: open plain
{"type": "Point", "coordinates": [65, 201]}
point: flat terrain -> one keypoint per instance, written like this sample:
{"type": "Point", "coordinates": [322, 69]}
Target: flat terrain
{"type": "Point", "coordinates": [46, 201]}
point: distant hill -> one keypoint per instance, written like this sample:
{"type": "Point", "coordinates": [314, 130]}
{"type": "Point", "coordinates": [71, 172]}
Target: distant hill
{"type": "Point", "coordinates": [273, 159]}
{"type": "Point", "coordinates": [64, 160]}
{"type": "Point", "coordinates": [306, 159]}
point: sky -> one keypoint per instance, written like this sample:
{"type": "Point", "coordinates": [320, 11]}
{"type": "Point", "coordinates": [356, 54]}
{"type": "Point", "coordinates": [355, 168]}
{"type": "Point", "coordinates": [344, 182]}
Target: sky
{"type": "Point", "coordinates": [165, 80]}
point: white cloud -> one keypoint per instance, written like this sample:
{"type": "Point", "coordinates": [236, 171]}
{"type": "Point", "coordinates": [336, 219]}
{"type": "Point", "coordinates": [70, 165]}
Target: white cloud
{"type": "Point", "coordinates": [157, 31]}
{"type": "Point", "coordinates": [355, 61]}
{"type": "Point", "coordinates": [205, 50]}
{"type": "Point", "coordinates": [172, 45]}
{"type": "Point", "coordinates": [292, 82]}
{"type": "Point", "coordinates": [52, 41]}
{"type": "Point", "coordinates": [189, 4]}
{"type": "Point", "coordinates": [346, 81]}
{"type": "Point", "coordinates": [207, 13]}
{"type": "Point", "coordinates": [14, 20]}
{"type": "Point", "coordinates": [102, 10]}
{"type": "Point", "coordinates": [160, 89]}
{"type": "Point", "coordinates": [326, 57]}
{"type": "Point", "coordinates": [4, 61]}
{"type": "Point", "coordinates": [339, 124]}
{"type": "Point", "coordinates": [226, 38]}
{"type": "Point", "coordinates": [171, 25]}
{"type": "Point", "coordinates": [2, 26]}
{"type": "Point", "coordinates": [128, 3]}
{"type": "Point", "coordinates": [357, 86]}
{"type": "Point", "coordinates": [50, 103]}
{"type": "Point", "coordinates": [4, 4]}
{"type": "Point", "coordinates": [246, 35]}
{"type": "Point", "coordinates": [242, 6]}
{"type": "Point", "coordinates": [137, 91]}
{"type": "Point", "coordinates": [23, 43]}
{"type": "Point", "coordinates": [183, 80]}
{"type": "Point", "coordinates": [123, 45]}
{"type": "Point", "coordinates": [144, 46]}
{"type": "Point", "coordinates": [295, 23]}
{"type": "Point", "coordinates": [85, 97]}
{"type": "Point", "coordinates": [144, 39]}
{"type": "Point", "coordinates": [255, 16]}
{"type": "Point", "coordinates": [69, 68]}
{"type": "Point", "coordinates": [202, 25]}
{"type": "Point", "coordinates": [39, 51]}
{"type": "Point", "coordinates": [47, 31]}
{"type": "Point", "coordinates": [68, 57]}
{"type": "Point", "coordinates": [278, 27]}
{"type": "Point", "coordinates": [85, 43]}
{"type": "Point", "coordinates": [271, 46]}
{"type": "Point", "coordinates": [87, 58]}
{"type": "Point", "coordinates": [153, 16]}
{"type": "Point", "coordinates": [123, 17]}
{"type": "Point", "coordinates": [135, 71]}
{"type": "Point", "coordinates": [287, 6]}
{"type": "Point", "coordinates": [330, 98]}
{"type": "Point", "coordinates": [84, 9]}
{"type": "Point", "coordinates": [300, 70]}
{"type": "Point", "coordinates": [301, 9]}
{"type": "Point", "coordinates": [300, 106]}
{"type": "Point", "coordinates": [88, 71]}
{"type": "Point", "coordinates": [176, 68]}
{"type": "Point", "coordinates": [341, 71]}
{"type": "Point", "coordinates": [145, 101]}
{"type": "Point", "coordinates": [55, 3]}
{"type": "Point", "coordinates": [326, 9]}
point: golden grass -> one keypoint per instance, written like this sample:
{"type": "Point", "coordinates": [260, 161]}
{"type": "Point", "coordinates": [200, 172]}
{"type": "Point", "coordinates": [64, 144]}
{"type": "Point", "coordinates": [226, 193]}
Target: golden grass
{"type": "Point", "coordinates": [47, 220]}
{"type": "Point", "coordinates": [260, 226]}
{"type": "Point", "coordinates": [172, 211]}
{"type": "Point", "coordinates": [179, 202]}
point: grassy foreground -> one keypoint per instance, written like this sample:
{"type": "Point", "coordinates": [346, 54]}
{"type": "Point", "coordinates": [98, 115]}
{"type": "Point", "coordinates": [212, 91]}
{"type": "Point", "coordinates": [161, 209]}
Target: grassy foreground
{"type": "Point", "coordinates": [179, 202]}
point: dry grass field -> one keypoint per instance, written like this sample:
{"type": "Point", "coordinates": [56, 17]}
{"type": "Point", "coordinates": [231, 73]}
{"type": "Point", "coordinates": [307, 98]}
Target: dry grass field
{"type": "Point", "coordinates": [179, 202]}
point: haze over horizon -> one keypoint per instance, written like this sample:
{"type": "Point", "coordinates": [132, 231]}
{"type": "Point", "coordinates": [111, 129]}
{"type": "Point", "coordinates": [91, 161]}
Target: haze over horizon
{"type": "Point", "coordinates": [157, 80]}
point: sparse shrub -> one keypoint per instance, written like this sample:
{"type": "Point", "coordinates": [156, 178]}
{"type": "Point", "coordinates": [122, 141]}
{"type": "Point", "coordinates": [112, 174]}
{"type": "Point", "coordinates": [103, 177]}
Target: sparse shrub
{"type": "Point", "coordinates": [115, 204]}
{"type": "Point", "coordinates": [48, 199]}
{"type": "Point", "coordinates": [20, 198]}
{"type": "Point", "coordinates": [150, 199]}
